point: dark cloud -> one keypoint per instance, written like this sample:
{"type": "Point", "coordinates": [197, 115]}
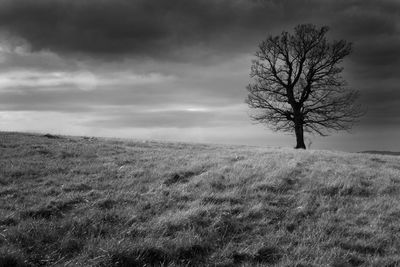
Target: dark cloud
{"type": "Point", "coordinates": [183, 30]}
{"type": "Point", "coordinates": [142, 27]}
{"type": "Point", "coordinates": [363, 20]}
{"type": "Point", "coordinates": [161, 29]}
{"type": "Point", "coordinates": [378, 52]}
{"type": "Point", "coordinates": [187, 30]}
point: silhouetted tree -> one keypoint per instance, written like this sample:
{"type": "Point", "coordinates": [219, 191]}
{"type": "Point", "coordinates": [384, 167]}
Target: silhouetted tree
{"type": "Point", "coordinates": [297, 84]}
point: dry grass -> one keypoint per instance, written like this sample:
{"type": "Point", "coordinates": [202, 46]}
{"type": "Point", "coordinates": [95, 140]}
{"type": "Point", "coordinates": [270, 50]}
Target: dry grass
{"type": "Point", "coordinates": [73, 201]}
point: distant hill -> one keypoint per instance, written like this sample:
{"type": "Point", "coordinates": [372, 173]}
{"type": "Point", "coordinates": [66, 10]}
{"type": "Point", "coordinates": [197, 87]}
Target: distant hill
{"type": "Point", "coordinates": [391, 153]}
{"type": "Point", "coordinates": [86, 201]}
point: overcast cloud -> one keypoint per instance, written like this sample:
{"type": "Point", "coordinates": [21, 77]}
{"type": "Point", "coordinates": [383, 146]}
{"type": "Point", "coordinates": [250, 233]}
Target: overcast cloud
{"type": "Point", "coordinates": [177, 69]}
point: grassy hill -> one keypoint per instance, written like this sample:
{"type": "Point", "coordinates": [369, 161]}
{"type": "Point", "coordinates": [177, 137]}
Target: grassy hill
{"type": "Point", "coordinates": [391, 153]}
{"type": "Point", "coordinates": [76, 201]}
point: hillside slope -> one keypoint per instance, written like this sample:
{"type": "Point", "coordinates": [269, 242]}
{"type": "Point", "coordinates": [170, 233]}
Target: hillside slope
{"type": "Point", "coordinates": [390, 153]}
{"type": "Point", "coordinates": [99, 202]}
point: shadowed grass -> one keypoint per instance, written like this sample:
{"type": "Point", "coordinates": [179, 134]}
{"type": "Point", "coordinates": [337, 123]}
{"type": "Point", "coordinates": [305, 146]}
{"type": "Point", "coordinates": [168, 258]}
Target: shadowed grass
{"type": "Point", "coordinates": [71, 201]}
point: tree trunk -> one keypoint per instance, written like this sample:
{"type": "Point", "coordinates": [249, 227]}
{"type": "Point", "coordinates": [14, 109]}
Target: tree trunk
{"type": "Point", "coordinates": [298, 128]}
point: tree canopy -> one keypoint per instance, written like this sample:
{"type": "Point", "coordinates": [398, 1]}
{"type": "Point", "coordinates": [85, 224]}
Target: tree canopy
{"type": "Point", "coordinates": [297, 84]}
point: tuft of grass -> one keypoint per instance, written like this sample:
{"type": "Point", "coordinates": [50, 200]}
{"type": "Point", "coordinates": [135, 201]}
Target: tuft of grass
{"type": "Point", "coordinates": [81, 201]}
{"type": "Point", "coordinates": [51, 210]}
{"type": "Point", "coordinates": [268, 255]}
{"type": "Point", "coordinates": [11, 261]}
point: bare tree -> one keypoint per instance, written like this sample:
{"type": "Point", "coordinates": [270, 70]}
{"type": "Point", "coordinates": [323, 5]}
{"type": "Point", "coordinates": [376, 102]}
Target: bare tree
{"type": "Point", "coordinates": [298, 85]}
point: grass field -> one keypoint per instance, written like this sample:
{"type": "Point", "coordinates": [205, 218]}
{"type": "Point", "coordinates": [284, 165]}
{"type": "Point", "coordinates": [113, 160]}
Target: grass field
{"type": "Point", "coordinates": [76, 201]}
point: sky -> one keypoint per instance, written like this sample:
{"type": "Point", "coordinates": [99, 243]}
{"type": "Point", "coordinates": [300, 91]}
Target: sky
{"type": "Point", "coordinates": [177, 70]}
